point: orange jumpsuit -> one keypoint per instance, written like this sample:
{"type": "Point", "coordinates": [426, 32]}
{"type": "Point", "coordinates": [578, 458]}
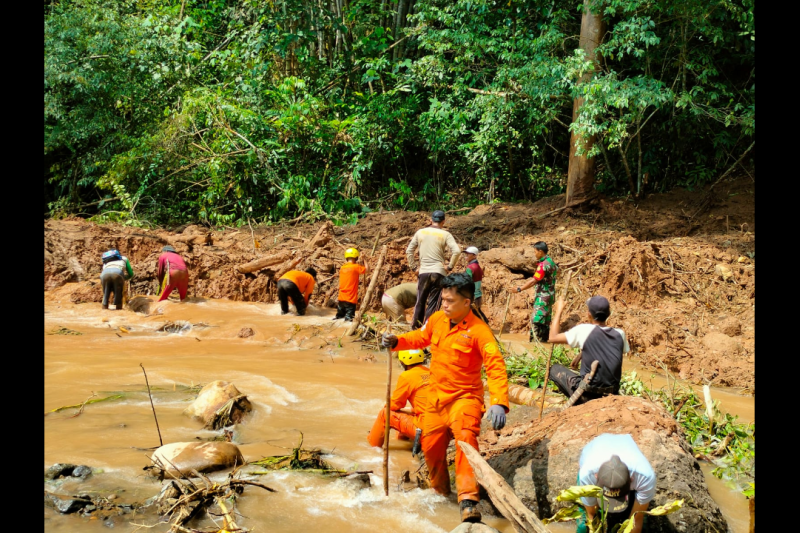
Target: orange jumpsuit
{"type": "Point", "coordinates": [412, 387]}
{"type": "Point", "coordinates": [455, 395]}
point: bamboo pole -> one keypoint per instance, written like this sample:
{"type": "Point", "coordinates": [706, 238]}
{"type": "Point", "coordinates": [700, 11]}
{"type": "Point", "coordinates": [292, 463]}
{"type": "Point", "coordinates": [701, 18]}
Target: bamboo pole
{"type": "Point", "coordinates": [368, 295]}
{"type": "Point", "coordinates": [388, 416]}
{"type": "Point", "coordinates": [552, 348]}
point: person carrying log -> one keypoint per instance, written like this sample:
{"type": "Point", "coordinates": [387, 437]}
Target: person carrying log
{"type": "Point", "coordinates": [433, 243]}
{"type": "Point", "coordinates": [296, 286]}
{"type": "Point", "coordinates": [172, 274]}
{"type": "Point", "coordinates": [617, 465]}
{"type": "Point", "coordinates": [116, 271]}
{"type": "Point", "coordinates": [460, 345]}
{"type": "Point", "coordinates": [598, 342]}
{"type": "Point", "coordinates": [348, 285]}
{"type": "Point", "coordinates": [396, 300]}
{"type": "Point", "coordinates": [412, 387]}
{"type": "Point", "coordinates": [545, 280]}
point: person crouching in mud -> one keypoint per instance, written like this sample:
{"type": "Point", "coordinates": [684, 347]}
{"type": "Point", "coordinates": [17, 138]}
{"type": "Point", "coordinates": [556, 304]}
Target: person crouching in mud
{"type": "Point", "coordinates": [598, 342]}
{"type": "Point", "coordinates": [412, 387]}
{"type": "Point", "coordinates": [460, 345]}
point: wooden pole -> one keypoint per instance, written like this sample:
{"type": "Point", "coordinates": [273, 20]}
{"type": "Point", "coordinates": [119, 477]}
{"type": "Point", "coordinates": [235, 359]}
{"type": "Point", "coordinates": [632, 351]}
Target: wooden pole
{"type": "Point", "coordinates": [151, 404]}
{"type": "Point", "coordinates": [502, 495]}
{"type": "Point", "coordinates": [552, 348]}
{"type": "Point", "coordinates": [388, 416]}
{"type": "Point", "coordinates": [368, 295]}
{"type": "Point", "coordinates": [505, 314]}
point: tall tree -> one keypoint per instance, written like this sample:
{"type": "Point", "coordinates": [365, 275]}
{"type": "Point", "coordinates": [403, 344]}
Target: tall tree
{"type": "Point", "coordinates": [581, 170]}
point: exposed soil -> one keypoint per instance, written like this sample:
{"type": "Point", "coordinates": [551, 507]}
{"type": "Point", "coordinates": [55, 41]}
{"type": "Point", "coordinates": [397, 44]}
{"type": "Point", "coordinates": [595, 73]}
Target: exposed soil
{"type": "Point", "coordinates": [679, 268]}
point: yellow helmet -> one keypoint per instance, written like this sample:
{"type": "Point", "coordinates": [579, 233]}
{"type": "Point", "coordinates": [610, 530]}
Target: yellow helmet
{"type": "Point", "coordinates": [411, 357]}
{"type": "Point", "coordinates": [351, 252]}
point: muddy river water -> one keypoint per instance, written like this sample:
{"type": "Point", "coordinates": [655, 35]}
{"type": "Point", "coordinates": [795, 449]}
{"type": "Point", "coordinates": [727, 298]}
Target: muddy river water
{"type": "Point", "coordinates": [330, 394]}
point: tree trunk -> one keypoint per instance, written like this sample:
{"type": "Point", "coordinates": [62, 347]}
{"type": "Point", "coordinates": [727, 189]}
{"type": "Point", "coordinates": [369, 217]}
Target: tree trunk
{"type": "Point", "coordinates": [581, 173]}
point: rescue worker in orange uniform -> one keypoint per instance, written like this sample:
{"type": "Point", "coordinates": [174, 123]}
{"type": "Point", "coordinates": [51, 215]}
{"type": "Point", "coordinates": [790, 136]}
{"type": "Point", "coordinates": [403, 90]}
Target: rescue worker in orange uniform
{"type": "Point", "coordinates": [460, 345]}
{"type": "Point", "coordinates": [296, 286]}
{"type": "Point", "coordinates": [412, 387]}
{"type": "Point", "coordinates": [348, 285]}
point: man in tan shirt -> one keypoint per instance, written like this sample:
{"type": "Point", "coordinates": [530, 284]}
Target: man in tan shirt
{"type": "Point", "coordinates": [433, 243]}
{"type": "Point", "coordinates": [396, 300]}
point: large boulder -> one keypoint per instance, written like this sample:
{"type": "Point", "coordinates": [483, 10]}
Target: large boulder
{"type": "Point", "coordinates": [540, 458]}
{"type": "Point", "coordinates": [181, 458]}
{"type": "Point", "coordinates": [218, 405]}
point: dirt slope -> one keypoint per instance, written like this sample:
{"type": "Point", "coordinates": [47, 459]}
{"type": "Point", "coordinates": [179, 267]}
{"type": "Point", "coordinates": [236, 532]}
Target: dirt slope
{"type": "Point", "coordinates": [679, 268]}
{"type": "Point", "coordinates": [541, 458]}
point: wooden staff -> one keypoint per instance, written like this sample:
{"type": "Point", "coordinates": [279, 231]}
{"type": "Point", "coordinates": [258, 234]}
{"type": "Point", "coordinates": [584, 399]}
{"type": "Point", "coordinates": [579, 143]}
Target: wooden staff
{"type": "Point", "coordinates": [505, 314]}
{"type": "Point", "coordinates": [552, 347]}
{"type": "Point", "coordinates": [388, 415]}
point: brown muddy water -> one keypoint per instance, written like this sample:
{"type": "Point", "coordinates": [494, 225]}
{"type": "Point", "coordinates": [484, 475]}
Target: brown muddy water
{"type": "Point", "coordinates": [296, 384]}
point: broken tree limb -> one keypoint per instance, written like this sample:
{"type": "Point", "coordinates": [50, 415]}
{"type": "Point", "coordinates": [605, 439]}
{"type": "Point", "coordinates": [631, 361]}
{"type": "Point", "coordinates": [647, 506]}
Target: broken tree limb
{"type": "Point", "coordinates": [291, 265]}
{"type": "Point", "coordinates": [368, 294]}
{"type": "Point", "coordinates": [264, 262]}
{"type": "Point", "coordinates": [587, 379]}
{"type": "Point", "coordinates": [517, 394]}
{"type": "Point", "coordinates": [502, 495]}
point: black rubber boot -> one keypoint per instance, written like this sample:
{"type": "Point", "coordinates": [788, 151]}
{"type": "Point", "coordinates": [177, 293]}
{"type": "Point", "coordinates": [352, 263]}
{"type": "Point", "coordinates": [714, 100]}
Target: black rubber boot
{"type": "Point", "coordinates": [469, 511]}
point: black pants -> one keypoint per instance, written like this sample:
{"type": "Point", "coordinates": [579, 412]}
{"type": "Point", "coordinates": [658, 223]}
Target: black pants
{"type": "Point", "coordinates": [540, 331]}
{"type": "Point", "coordinates": [346, 310]}
{"type": "Point", "coordinates": [567, 381]}
{"type": "Point", "coordinates": [429, 294]}
{"type": "Point", "coordinates": [288, 290]}
{"type": "Point", "coordinates": [112, 281]}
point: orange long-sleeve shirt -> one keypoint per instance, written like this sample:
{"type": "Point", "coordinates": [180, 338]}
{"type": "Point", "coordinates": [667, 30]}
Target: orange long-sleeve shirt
{"type": "Point", "coordinates": [304, 281]}
{"type": "Point", "coordinates": [457, 355]}
{"type": "Point", "coordinates": [412, 387]}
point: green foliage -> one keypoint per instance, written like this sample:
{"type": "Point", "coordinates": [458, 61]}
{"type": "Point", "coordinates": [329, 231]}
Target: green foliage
{"type": "Point", "coordinates": [227, 112]}
{"type": "Point", "coordinates": [532, 367]}
{"type": "Point", "coordinates": [736, 461]}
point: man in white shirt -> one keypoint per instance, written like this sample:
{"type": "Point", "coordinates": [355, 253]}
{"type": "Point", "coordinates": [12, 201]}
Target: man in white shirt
{"type": "Point", "coordinates": [618, 466]}
{"type": "Point", "coordinates": [436, 245]}
{"type": "Point", "coordinates": [597, 342]}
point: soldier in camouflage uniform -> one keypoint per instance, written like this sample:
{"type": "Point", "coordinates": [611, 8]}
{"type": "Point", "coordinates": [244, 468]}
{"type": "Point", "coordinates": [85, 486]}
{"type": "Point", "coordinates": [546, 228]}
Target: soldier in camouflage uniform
{"type": "Point", "coordinates": [545, 281]}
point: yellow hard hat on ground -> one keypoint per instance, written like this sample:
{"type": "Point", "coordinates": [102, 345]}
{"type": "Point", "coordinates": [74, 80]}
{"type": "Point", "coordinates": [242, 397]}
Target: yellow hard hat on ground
{"type": "Point", "coordinates": [351, 252]}
{"type": "Point", "coordinates": [411, 357]}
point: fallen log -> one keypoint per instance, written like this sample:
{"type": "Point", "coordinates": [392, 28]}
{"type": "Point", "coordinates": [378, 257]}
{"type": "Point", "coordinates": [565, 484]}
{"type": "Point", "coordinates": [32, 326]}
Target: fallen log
{"type": "Point", "coordinates": [368, 294]}
{"type": "Point", "coordinates": [264, 262]}
{"type": "Point", "coordinates": [291, 265]}
{"type": "Point", "coordinates": [502, 495]}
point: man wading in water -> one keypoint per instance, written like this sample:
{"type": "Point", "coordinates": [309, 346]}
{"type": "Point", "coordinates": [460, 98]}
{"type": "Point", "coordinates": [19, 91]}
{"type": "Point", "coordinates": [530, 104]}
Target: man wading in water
{"type": "Point", "coordinates": [545, 281]}
{"type": "Point", "coordinates": [460, 345]}
{"type": "Point", "coordinates": [433, 243]}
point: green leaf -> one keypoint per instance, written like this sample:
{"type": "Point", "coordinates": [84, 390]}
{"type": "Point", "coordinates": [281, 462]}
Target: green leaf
{"type": "Point", "coordinates": [565, 514]}
{"type": "Point", "coordinates": [583, 491]}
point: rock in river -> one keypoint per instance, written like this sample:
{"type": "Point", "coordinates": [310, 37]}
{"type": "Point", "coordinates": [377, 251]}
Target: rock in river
{"type": "Point", "coordinates": [218, 405]}
{"type": "Point", "coordinates": [183, 457]}
{"type": "Point", "coordinates": [540, 458]}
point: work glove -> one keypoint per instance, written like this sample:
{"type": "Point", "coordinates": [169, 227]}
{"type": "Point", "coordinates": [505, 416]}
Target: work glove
{"type": "Point", "coordinates": [389, 341]}
{"type": "Point", "coordinates": [497, 414]}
